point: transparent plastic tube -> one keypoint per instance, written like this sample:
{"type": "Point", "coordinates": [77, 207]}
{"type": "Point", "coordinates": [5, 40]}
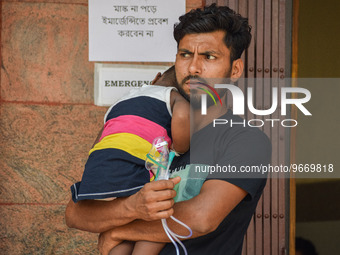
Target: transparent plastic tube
{"type": "Point", "coordinates": [158, 161]}
{"type": "Point", "coordinates": [175, 237]}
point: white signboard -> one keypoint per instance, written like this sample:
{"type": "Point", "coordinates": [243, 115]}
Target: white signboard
{"type": "Point", "coordinates": [112, 81]}
{"type": "Point", "coordinates": [133, 30]}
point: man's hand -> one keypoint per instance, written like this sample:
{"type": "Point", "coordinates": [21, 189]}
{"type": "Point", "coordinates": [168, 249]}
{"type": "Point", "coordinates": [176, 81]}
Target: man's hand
{"type": "Point", "coordinates": [106, 243]}
{"type": "Point", "coordinates": [155, 200]}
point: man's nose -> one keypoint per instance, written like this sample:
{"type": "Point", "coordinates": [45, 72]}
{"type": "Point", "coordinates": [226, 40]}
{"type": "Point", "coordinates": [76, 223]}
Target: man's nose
{"type": "Point", "coordinates": [195, 67]}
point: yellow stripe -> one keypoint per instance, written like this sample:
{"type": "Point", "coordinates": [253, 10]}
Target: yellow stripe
{"type": "Point", "coordinates": [132, 144]}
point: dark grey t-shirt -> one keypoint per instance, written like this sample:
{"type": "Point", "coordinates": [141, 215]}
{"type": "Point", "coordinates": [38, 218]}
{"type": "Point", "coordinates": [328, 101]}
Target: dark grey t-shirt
{"type": "Point", "coordinates": [223, 146]}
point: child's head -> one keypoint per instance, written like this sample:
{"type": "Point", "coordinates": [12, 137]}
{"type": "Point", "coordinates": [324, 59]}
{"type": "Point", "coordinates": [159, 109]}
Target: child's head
{"type": "Point", "coordinates": [167, 79]}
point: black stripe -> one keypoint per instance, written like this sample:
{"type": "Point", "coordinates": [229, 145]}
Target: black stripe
{"type": "Point", "coordinates": [146, 107]}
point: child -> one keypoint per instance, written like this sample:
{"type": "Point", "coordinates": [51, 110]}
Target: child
{"type": "Point", "coordinates": [116, 164]}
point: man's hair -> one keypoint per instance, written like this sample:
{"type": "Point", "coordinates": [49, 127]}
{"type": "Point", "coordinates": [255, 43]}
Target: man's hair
{"type": "Point", "coordinates": [216, 18]}
{"type": "Point", "coordinates": [305, 246]}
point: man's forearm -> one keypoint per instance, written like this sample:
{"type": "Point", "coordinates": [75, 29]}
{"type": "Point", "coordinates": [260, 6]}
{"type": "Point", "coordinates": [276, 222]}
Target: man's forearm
{"type": "Point", "coordinates": [97, 216]}
{"type": "Point", "coordinates": [154, 201]}
{"type": "Point", "coordinates": [202, 214]}
{"type": "Point", "coordinates": [153, 231]}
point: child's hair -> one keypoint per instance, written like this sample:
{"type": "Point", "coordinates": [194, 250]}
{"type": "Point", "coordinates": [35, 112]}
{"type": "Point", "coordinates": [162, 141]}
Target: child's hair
{"type": "Point", "coordinates": [168, 78]}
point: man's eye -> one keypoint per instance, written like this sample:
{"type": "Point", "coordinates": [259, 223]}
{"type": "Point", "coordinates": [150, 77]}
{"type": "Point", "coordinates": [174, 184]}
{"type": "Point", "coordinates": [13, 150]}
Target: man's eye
{"type": "Point", "coordinates": [210, 57]}
{"type": "Point", "coordinates": [185, 55]}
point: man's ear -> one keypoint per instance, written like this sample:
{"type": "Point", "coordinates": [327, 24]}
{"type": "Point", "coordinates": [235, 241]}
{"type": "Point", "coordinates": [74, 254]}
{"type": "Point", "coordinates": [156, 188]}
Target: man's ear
{"type": "Point", "coordinates": [158, 76]}
{"type": "Point", "coordinates": [237, 69]}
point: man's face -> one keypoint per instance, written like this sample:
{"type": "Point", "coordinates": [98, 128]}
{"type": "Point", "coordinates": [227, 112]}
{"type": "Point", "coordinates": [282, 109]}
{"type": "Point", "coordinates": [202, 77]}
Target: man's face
{"type": "Point", "coordinates": [201, 58]}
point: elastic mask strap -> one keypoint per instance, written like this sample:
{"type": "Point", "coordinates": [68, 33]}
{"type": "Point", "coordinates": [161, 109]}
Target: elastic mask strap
{"type": "Point", "coordinates": [155, 162]}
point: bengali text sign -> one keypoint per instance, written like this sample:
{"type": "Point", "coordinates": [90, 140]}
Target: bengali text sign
{"type": "Point", "coordinates": [133, 30]}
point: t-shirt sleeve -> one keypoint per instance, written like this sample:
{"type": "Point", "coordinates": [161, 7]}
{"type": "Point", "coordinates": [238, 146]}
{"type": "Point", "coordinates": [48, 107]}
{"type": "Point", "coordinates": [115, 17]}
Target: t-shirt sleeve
{"type": "Point", "coordinates": [243, 156]}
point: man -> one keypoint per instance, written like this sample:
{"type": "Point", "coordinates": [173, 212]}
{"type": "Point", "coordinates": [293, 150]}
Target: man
{"type": "Point", "coordinates": [210, 44]}
{"type": "Point", "coordinates": [304, 247]}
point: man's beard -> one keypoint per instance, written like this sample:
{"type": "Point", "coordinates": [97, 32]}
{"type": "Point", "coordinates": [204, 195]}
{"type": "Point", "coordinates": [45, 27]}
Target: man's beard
{"type": "Point", "coordinates": [196, 101]}
{"type": "Point", "coordinates": [182, 92]}
{"type": "Point", "coordinates": [195, 98]}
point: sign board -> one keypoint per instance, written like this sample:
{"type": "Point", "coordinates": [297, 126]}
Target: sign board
{"type": "Point", "coordinates": [133, 30]}
{"type": "Point", "coordinates": [112, 81]}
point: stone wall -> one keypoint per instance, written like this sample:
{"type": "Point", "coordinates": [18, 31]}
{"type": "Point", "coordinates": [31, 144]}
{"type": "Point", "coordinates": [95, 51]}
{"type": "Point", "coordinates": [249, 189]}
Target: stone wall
{"type": "Point", "coordinates": [48, 123]}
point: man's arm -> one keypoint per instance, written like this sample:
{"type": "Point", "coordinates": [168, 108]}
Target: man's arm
{"type": "Point", "coordinates": [154, 201]}
{"type": "Point", "coordinates": [202, 214]}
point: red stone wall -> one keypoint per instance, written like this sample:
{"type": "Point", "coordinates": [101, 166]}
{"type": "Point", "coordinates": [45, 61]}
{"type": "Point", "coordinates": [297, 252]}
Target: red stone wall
{"type": "Point", "coordinates": [47, 122]}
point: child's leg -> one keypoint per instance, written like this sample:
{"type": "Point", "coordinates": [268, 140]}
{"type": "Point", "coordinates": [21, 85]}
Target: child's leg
{"type": "Point", "coordinates": [124, 248]}
{"type": "Point", "coordinates": [150, 248]}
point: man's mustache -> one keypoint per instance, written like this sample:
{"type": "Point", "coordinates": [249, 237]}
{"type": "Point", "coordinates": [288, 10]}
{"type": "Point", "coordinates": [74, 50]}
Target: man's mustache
{"type": "Point", "coordinates": [194, 77]}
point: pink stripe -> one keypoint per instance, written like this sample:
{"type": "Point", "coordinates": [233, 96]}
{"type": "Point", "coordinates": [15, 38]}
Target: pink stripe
{"type": "Point", "coordinates": [136, 125]}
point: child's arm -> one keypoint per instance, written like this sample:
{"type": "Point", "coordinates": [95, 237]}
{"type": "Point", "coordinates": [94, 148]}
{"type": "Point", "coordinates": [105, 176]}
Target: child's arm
{"type": "Point", "coordinates": [180, 123]}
